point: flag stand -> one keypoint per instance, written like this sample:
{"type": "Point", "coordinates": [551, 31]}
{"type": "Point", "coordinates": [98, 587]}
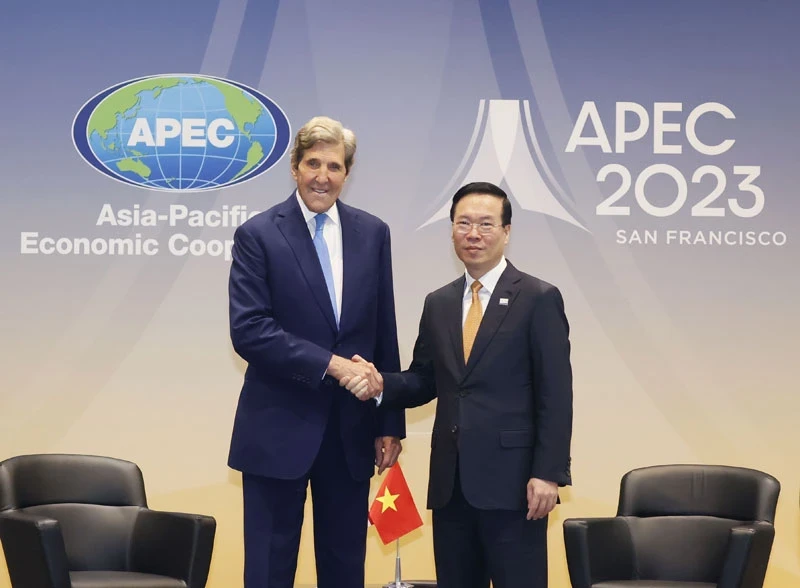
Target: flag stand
{"type": "Point", "coordinates": [398, 582]}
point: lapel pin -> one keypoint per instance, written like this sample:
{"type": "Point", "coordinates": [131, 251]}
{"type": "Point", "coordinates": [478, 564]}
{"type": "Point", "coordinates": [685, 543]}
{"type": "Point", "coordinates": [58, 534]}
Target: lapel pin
{"type": "Point", "coordinates": [504, 302]}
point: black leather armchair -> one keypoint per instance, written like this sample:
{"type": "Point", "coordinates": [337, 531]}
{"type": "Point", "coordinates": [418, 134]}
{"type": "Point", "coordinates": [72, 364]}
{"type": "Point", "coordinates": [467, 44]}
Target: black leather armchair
{"type": "Point", "coordinates": [76, 521]}
{"type": "Point", "coordinates": [678, 526]}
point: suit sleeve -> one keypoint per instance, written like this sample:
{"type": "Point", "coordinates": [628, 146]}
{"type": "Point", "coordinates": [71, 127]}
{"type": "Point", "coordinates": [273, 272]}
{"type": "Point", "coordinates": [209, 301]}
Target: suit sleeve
{"type": "Point", "coordinates": [416, 385]}
{"type": "Point", "coordinates": [391, 420]}
{"type": "Point", "coordinates": [552, 376]}
{"type": "Point", "coordinates": [255, 333]}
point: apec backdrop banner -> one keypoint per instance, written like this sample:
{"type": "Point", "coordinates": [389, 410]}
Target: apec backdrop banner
{"type": "Point", "coordinates": [649, 150]}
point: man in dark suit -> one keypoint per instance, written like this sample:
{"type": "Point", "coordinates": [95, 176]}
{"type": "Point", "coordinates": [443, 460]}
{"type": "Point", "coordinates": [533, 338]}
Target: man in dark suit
{"type": "Point", "coordinates": [310, 287]}
{"type": "Point", "coordinates": [493, 348]}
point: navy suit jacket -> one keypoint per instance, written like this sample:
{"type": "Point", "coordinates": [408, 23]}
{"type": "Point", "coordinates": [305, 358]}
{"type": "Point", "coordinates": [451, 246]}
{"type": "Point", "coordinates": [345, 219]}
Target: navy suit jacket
{"type": "Point", "coordinates": [505, 416]}
{"type": "Point", "coordinates": [282, 324]}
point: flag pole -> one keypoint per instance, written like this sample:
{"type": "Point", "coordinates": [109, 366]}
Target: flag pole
{"type": "Point", "coordinates": [398, 582]}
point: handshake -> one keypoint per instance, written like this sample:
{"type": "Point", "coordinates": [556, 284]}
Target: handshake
{"type": "Point", "coordinates": [357, 375]}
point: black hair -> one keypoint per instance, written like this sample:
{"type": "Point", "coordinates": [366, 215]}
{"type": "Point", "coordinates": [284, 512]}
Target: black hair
{"type": "Point", "coordinates": [483, 188]}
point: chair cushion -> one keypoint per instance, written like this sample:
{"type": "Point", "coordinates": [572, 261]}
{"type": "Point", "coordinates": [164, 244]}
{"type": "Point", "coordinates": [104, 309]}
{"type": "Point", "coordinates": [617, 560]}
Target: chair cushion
{"type": "Point", "coordinates": [680, 549]}
{"type": "Point", "coordinates": [122, 580]}
{"type": "Point", "coordinates": [85, 526]}
{"type": "Point", "coordinates": [652, 584]}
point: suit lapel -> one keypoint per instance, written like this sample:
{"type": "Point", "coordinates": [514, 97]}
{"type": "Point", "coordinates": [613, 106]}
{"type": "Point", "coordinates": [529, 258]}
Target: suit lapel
{"type": "Point", "coordinates": [351, 242]}
{"type": "Point", "coordinates": [292, 225]}
{"type": "Point", "coordinates": [454, 308]}
{"type": "Point", "coordinates": [507, 289]}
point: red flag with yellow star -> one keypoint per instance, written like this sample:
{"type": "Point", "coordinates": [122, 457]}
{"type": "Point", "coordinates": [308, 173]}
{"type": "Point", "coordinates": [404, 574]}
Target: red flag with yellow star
{"type": "Point", "coordinates": [393, 511]}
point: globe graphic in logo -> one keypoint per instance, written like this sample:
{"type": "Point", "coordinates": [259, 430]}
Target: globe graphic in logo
{"type": "Point", "coordinates": [181, 132]}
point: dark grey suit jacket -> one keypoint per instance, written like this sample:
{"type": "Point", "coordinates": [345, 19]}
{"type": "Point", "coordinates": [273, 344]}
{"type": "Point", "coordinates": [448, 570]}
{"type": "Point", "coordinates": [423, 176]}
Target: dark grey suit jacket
{"type": "Point", "coordinates": [505, 416]}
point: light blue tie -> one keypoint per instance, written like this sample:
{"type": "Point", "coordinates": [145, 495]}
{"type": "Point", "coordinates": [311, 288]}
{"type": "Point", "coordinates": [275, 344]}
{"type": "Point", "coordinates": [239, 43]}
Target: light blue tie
{"type": "Point", "coordinates": [325, 260]}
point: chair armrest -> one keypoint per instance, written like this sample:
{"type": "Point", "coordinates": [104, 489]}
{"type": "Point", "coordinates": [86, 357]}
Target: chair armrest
{"type": "Point", "coordinates": [173, 544]}
{"type": "Point", "coordinates": [34, 550]}
{"type": "Point", "coordinates": [747, 556]}
{"type": "Point", "coordinates": [598, 549]}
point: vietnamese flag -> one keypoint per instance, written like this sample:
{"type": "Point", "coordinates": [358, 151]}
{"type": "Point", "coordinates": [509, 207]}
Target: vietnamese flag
{"type": "Point", "coordinates": [393, 511]}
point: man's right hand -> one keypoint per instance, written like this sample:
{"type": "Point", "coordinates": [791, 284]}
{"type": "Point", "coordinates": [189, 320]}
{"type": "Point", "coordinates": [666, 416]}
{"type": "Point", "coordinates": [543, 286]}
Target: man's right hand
{"type": "Point", "coordinates": [357, 375]}
{"type": "Point", "coordinates": [366, 385]}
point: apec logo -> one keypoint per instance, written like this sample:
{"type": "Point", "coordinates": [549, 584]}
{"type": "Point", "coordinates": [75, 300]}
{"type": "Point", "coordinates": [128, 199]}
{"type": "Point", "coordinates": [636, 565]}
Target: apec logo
{"type": "Point", "coordinates": [181, 132]}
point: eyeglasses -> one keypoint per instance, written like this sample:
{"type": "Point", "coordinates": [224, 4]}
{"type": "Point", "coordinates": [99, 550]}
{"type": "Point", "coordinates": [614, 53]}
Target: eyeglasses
{"type": "Point", "coordinates": [463, 227]}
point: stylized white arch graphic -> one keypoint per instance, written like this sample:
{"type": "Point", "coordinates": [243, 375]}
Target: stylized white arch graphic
{"type": "Point", "coordinates": [501, 154]}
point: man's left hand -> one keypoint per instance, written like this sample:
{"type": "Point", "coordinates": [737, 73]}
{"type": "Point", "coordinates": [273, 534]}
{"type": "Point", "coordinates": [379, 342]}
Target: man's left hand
{"type": "Point", "coordinates": [387, 450]}
{"type": "Point", "coordinates": [542, 497]}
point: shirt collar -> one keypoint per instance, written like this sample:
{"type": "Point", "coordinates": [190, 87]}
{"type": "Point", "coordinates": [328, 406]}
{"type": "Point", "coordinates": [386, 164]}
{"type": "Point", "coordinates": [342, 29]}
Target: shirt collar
{"type": "Point", "coordinates": [489, 279]}
{"type": "Point", "coordinates": [309, 216]}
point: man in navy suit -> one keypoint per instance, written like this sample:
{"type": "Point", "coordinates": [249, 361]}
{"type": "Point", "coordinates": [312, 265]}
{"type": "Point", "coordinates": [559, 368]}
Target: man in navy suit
{"type": "Point", "coordinates": [310, 287]}
{"type": "Point", "coordinates": [493, 348]}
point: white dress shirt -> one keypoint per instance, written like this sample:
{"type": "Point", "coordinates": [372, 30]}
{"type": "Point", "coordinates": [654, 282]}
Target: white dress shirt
{"type": "Point", "coordinates": [488, 283]}
{"type": "Point", "coordinates": [332, 233]}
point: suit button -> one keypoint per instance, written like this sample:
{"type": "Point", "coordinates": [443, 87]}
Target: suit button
{"type": "Point", "coordinates": [454, 429]}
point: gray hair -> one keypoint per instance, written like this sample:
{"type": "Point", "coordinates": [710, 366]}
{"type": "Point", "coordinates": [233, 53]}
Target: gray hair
{"type": "Point", "coordinates": [326, 130]}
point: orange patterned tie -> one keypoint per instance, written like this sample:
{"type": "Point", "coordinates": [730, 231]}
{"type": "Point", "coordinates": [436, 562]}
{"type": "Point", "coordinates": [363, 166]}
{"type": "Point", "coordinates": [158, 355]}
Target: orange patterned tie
{"type": "Point", "coordinates": [474, 315]}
